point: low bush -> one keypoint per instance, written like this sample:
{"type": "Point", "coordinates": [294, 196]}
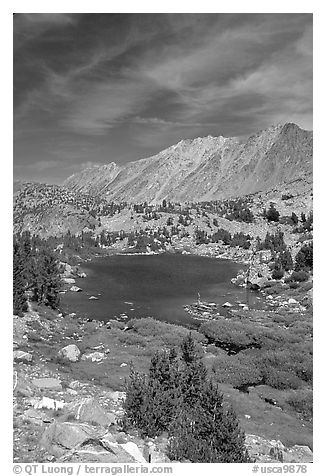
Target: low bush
{"type": "Point", "coordinates": [278, 273]}
{"type": "Point", "coordinates": [164, 334]}
{"type": "Point", "coordinates": [299, 276]}
{"type": "Point", "coordinates": [302, 402]}
{"type": "Point", "coordinates": [237, 370]}
{"type": "Point", "coordinates": [230, 333]}
{"type": "Point", "coordinates": [304, 258]}
{"type": "Point", "coordinates": [280, 379]}
{"type": "Point", "coordinates": [272, 214]}
{"type": "Point", "coordinates": [294, 285]}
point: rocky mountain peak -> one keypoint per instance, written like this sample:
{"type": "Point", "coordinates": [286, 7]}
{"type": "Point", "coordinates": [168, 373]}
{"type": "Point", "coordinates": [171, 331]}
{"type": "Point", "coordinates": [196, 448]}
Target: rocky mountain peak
{"type": "Point", "coordinates": [205, 168]}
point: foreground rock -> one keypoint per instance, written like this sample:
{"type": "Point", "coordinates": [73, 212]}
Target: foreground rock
{"type": "Point", "coordinates": [21, 356]}
{"type": "Point", "coordinates": [90, 411]}
{"type": "Point", "coordinates": [47, 383]}
{"type": "Point", "coordinates": [75, 289]}
{"type": "Point", "coordinates": [60, 437]}
{"type": "Point", "coordinates": [70, 352]}
{"type": "Point", "coordinates": [272, 451]}
{"type": "Point", "coordinates": [94, 356]}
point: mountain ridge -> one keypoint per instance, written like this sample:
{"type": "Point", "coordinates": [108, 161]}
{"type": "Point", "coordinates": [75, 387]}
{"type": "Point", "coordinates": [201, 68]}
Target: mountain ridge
{"type": "Point", "coordinates": [204, 168]}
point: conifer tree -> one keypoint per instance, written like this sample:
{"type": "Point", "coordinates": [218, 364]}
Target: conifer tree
{"type": "Point", "coordinates": [19, 283]}
{"type": "Point", "coordinates": [177, 397]}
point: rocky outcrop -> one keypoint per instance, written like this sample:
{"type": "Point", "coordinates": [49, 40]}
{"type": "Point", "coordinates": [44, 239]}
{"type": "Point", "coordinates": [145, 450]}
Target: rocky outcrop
{"type": "Point", "coordinates": [47, 383]}
{"type": "Point", "coordinates": [273, 451]}
{"type": "Point", "coordinates": [88, 410]}
{"type": "Point", "coordinates": [21, 356]}
{"type": "Point", "coordinates": [205, 168]}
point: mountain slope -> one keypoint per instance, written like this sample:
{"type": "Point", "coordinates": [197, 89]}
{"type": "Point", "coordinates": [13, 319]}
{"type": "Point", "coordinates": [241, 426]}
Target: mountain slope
{"type": "Point", "coordinates": [205, 168]}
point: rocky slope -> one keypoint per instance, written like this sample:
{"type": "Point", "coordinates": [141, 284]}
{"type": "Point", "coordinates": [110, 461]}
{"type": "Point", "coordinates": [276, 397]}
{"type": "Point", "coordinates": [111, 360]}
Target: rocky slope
{"type": "Point", "coordinates": [67, 407]}
{"type": "Point", "coordinates": [205, 168]}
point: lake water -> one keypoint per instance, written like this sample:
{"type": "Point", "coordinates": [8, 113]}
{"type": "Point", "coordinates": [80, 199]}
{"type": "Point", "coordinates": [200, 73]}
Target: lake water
{"type": "Point", "coordinates": [153, 285]}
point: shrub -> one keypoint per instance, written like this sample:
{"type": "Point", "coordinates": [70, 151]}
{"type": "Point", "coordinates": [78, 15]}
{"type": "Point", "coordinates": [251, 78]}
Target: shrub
{"type": "Point", "coordinates": [278, 273]}
{"type": "Point", "coordinates": [237, 370]}
{"type": "Point", "coordinates": [285, 260]}
{"type": "Point", "coordinates": [222, 235]}
{"type": "Point", "coordinates": [201, 237]}
{"type": "Point", "coordinates": [286, 367]}
{"type": "Point", "coordinates": [302, 402]}
{"type": "Point", "coordinates": [240, 239]}
{"type": "Point", "coordinates": [304, 257]}
{"type": "Point", "coordinates": [299, 276]}
{"type": "Point", "coordinates": [164, 334]}
{"type": "Point", "coordinates": [294, 285]}
{"type": "Point", "coordinates": [280, 379]}
{"type": "Point", "coordinates": [230, 334]}
{"type": "Point", "coordinates": [294, 218]}
{"type": "Point", "coordinates": [273, 242]}
{"type": "Point", "coordinates": [272, 214]}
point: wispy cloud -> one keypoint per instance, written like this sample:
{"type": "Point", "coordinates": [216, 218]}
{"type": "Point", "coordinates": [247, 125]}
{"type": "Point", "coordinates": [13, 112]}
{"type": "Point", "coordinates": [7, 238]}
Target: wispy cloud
{"type": "Point", "coordinates": [123, 85]}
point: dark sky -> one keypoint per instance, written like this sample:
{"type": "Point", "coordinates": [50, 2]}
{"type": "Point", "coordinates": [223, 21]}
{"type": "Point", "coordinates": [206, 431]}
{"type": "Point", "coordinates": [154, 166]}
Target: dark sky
{"type": "Point", "coordinates": [94, 88]}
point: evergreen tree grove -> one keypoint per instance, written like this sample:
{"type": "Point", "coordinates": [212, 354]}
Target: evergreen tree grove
{"type": "Point", "coordinates": [46, 280]}
{"type": "Point", "coordinates": [19, 284]}
{"type": "Point", "coordinates": [35, 270]}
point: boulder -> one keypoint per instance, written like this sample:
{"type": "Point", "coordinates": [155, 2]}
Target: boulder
{"type": "Point", "coordinates": [134, 451]}
{"type": "Point", "coordinates": [257, 283]}
{"type": "Point", "coordinates": [94, 356]}
{"type": "Point", "coordinates": [227, 304]}
{"type": "Point", "coordinates": [93, 298]}
{"type": "Point", "coordinates": [90, 411]}
{"type": "Point", "coordinates": [47, 383]}
{"type": "Point", "coordinates": [60, 437]}
{"type": "Point", "coordinates": [272, 451]}
{"type": "Point", "coordinates": [82, 275]}
{"type": "Point", "coordinates": [98, 450]}
{"type": "Point", "coordinates": [116, 396]}
{"type": "Point", "coordinates": [21, 356]}
{"type": "Point", "coordinates": [49, 404]}
{"type": "Point", "coordinates": [22, 387]}
{"type": "Point", "coordinates": [35, 416]}
{"type": "Point", "coordinates": [68, 280]}
{"type": "Point", "coordinates": [70, 352]}
{"type": "Point", "coordinates": [298, 454]}
{"type": "Point", "coordinates": [75, 289]}
{"type": "Point", "coordinates": [67, 269]}
{"type": "Point", "coordinates": [292, 301]}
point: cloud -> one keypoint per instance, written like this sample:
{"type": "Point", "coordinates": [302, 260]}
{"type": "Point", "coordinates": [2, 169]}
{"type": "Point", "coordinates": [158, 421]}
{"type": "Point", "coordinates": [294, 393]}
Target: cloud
{"type": "Point", "coordinates": [92, 86]}
{"type": "Point", "coordinates": [29, 26]}
{"type": "Point", "coordinates": [106, 104]}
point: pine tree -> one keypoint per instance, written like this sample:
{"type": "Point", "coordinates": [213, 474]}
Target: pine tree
{"type": "Point", "coordinates": [285, 260]}
{"type": "Point", "coordinates": [204, 432]}
{"type": "Point", "coordinates": [304, 257]}
{"type": "Point", "coordinates": [177, 397]}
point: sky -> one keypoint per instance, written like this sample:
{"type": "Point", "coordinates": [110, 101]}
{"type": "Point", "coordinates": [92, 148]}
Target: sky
{"type": "Point", "coordinates": [90, 89]}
